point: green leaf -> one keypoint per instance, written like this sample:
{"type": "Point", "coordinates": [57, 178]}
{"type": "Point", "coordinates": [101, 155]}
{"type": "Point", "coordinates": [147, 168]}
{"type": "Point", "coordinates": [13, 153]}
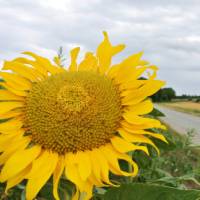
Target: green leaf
{"type": "Point", "coordinates": [156, 113]}
{"type": "Point", "coordinates": [65, 190]}
{"type": "Point", "coordinates": [138, 191]}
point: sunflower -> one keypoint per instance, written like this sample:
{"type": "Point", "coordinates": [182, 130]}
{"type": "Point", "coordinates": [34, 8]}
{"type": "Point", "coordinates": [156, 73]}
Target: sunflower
{"type": "Point", "coordinates": [77, 122]}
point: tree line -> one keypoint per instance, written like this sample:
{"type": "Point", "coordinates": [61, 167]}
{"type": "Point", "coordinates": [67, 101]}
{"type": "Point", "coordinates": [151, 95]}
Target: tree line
{"type": "Point", "coordinates": [167, 94]}
{"type": "Point", "coordinates": [164, 94]}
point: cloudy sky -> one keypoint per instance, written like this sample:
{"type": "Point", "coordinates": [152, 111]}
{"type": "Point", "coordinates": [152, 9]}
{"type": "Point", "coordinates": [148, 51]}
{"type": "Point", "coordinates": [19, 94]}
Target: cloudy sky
{"type": "Point", "coordinates": [167, 31]}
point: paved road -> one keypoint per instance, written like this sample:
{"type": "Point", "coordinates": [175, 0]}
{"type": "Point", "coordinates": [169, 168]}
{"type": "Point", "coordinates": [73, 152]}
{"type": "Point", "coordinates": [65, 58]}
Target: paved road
{"type": "Point", "coordinates": [181, 122]}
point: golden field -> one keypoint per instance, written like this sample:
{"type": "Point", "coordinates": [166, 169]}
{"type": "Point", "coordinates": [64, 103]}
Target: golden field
{"type": "Point", "coordinates": [185, 106]}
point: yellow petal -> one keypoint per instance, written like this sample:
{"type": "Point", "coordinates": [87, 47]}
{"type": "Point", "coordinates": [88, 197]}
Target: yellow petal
{"type": "Point", "coordinates": [6, 139]}
{"type": "Point", "coordinates": [17, 179]}
{"type": "Point", "coordinates": [15, 145]}
{"type": "Point", "coordinates": [14, 91]}
{"type": "Point", "coordinates": [44, 158]}
{"type": "Point", "coordinates": [41, 171]}
{"type": "Point", "coordinates": [123, 146]}
{"type": "Point", "coordinates": [127, 125]}
{"type": "Point", "coordinates": [96, 169]}
{"type": "Point", "coordinates": [8, 106]}
{"type": "Point", "coordinates": [142, 108]}
{"type": "Point", "coordinates": [105, 52]}
{"type": "Point", "coordinates": [84, 164]}
{"type": "Point", "coordinates": [13, 132]}
{"type": "Point", "coordinates": [15, 81]}
{"type": "Point", "coordinates": [132, 68]}
{"type": "Point", "coordinates": [132, 60]}
{"type": "Point", "coordinates": [56, 177]}
{"type": "Point", "coordinates": [89, 63]}
{"type": "Point", "coordinates": [128, 159]}
{"type": "Point", "coordinates": [143, 132]}
{"type": "Point", "coordinates": [134, 166]}
{"type": "Point", "coordinates": [128, 70]}
{"type": "Point", "coordinates": [18, 161]}
{"type": "Point", "coordinates": [129, 74]}
{"type": "Point", "coordinates": [22, 70]}
{"type": "Point", "coordinates": [134, 119]}
{"type": "Point", "coordinates": [103, 166]}
{"type": "Point", "coordinates": [153, 76]}
{"type": "Point", "coordinates": [72, 173]}
{"type": "Point", "coordinates": [10, 114]}
{"type": "Point", "coordinates": [136, 138]}
{"type": "Point", "coordinates": [74, 54]}
{"type": "Point", "coordinates": [143, 62]}
{"type": "Point", "coordinates": [110, 156]}
{"type": "Point", "coordinates": [34, 64]}
{"type": "Point", "coordinates": [132, 101]}
{"type": "Point", "coordinates": [131, 85]}
{"type": "Point", "coordinates": [43, 64]}
{"type": "Point", "coordinates": [5, 95]}
{"type": "Point", "coordinates": [11, 125]}
{"type": "Point", "coordinates": [151, 87]}
{"type": "Point", "coordinates": [88, 188]}
{"type": "Point", "coordinates": [112, 72]}
{"type": "Point", "coordinates": [113, 160]}
{"type": "Point", "coordinates": [96, 182]}
{"type": "Point", "coordinates": [76, 195]}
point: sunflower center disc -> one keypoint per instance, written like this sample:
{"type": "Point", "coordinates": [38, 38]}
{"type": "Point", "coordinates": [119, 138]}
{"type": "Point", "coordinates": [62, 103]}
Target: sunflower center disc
{"type": "Point", "coordinates": [73, 111]}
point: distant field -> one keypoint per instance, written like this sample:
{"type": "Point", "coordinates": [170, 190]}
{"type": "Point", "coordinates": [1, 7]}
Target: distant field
{"type": "Point", "coordinates": [187, 107]}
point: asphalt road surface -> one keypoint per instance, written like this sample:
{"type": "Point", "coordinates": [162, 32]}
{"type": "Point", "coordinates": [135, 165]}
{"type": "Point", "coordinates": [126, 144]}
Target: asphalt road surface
{"type": "Point", "coordinates": [181, 122]}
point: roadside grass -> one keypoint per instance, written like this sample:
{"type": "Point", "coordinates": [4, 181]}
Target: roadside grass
{"type": "Point", "coordinates": [186, 107]}
{"type": "Point", "coordinates": [177, 166]}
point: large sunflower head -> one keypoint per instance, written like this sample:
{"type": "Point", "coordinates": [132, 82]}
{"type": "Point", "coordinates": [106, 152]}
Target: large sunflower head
{"type": "Point", "coordinates": [76, 122]}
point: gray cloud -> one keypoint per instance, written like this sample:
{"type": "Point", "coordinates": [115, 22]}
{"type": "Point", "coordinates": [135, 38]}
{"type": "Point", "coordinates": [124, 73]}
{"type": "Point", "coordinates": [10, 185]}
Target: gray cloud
{"type": "Point", "coordinates": [167, 31]}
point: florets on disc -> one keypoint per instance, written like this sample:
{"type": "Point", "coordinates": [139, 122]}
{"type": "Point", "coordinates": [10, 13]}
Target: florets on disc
{"type": "Point", "coordinates": [73, 111]}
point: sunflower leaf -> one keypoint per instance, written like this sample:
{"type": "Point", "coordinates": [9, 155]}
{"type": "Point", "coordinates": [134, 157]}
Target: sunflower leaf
{"type": "Point", "coordinates": [156, 113]}
{"type": "Point", "coordinates": [138, 191]}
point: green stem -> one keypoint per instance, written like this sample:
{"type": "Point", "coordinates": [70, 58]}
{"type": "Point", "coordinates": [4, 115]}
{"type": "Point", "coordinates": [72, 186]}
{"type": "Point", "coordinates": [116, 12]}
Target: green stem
{"type": "Point", "coordinates": [130, 169]}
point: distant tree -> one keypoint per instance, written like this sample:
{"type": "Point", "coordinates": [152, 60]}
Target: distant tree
{"type": "Point", "coordinates": [198, 100]}
{"type": "Point", "coordinates": [188, 97]}
{"type": "Point", "coordinates": [164, 94]}
{"type": "Point", "coordinates": [170, 93]}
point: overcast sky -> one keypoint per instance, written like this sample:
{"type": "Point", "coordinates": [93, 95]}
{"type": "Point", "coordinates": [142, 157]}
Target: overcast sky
{"type": "Point", "coordinates": [167, 31]}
